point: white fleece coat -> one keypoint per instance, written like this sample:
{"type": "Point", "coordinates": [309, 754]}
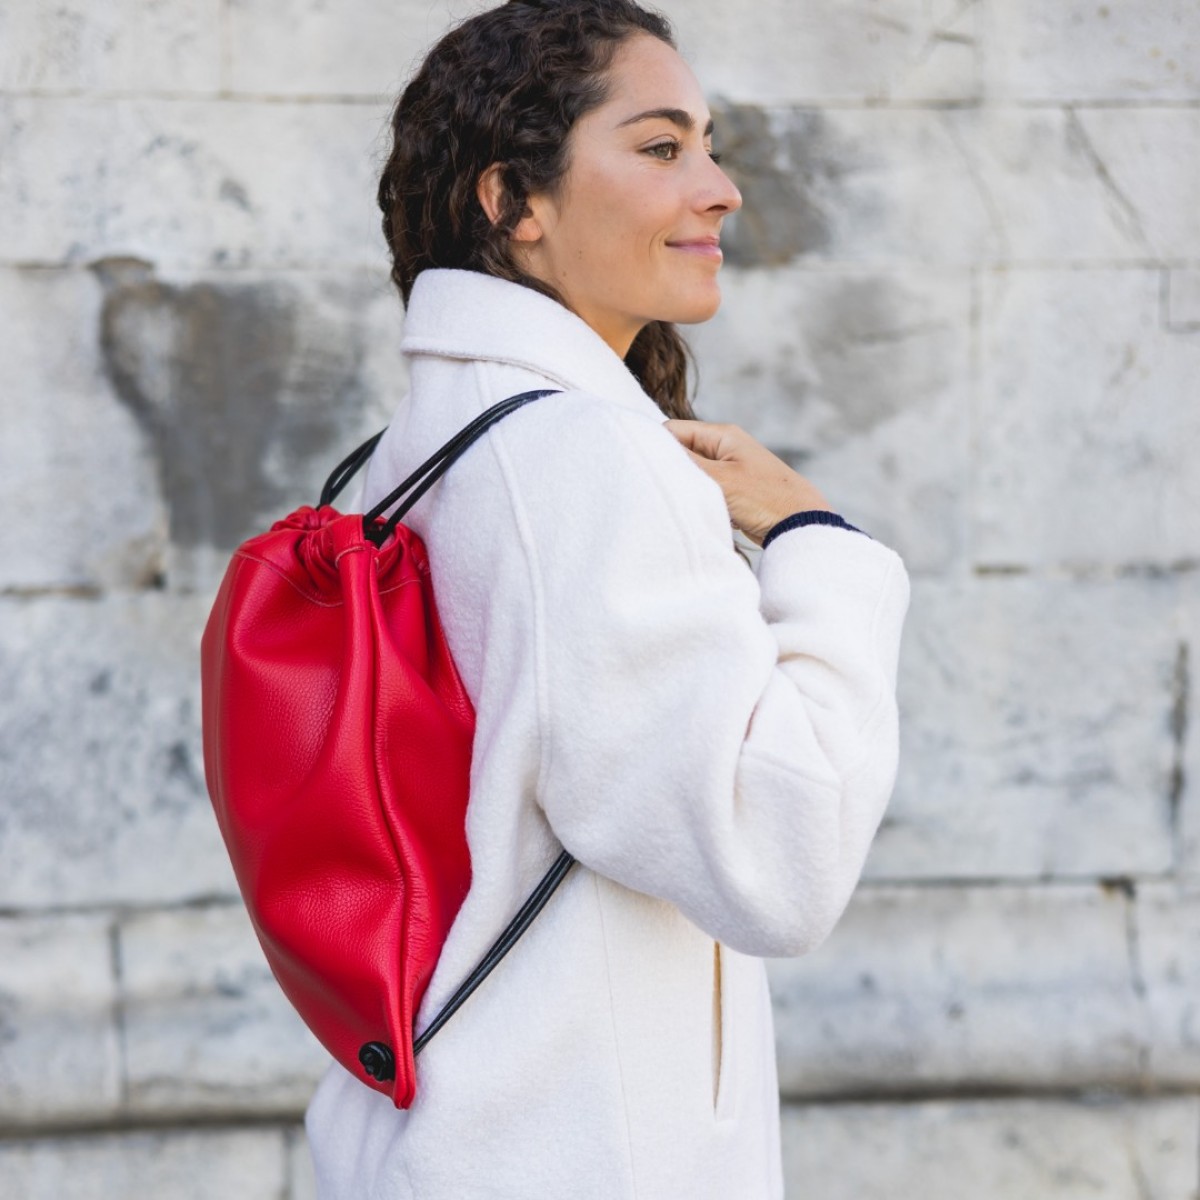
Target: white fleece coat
{"type": "Point", "coordinates": [714, 744]}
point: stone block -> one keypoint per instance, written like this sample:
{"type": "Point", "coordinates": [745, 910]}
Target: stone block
{"type": "Point", "coordinates": [101, 767]}
{"type": "Point", "coordinates": [209, 1164]}
{"type": "Point", "coordinates": [830, 52]}
{"type": "Point", "coordinates": [303, 1178]}
{"type": "Point", "coordinates": [207, 1028]}
{"type": "Point", "coordinates": [1151, 158]}
{"type": "Point", "coordinates": [1082, 383]}
{"type": "Point", "coordinates": [1047, 193]}
{"type": "Point", "coordinates": [924, 989]}
{"type": "Point", "coordinates": [1036, 732]}
{"type": "Point", "coordinates": [1080, 50]}
{"type": "Point", "coordinates": [1183, 299]}
{"type": "Point", "coordinates": [953, 186]}
{"type": "Point", "coordinates": [859, 379]}
{"type": "Point", "coordinates": [74, 469]}
{"type": "Point", "coordinates": [59, 1054]}
{"type": "Point", "coordinates": [121, 45]}
{"type": "Point", "coordinates": [162, 420]}
{"type": "Point", "coordinates": [308, 48]}
{"type": "Point", "coordinates": [881, 186]}
{"type": "Point", "coordinates": [787, 54]}
{"type": "Point", "coordinates": [249, 388]}
{"type": "Point", "coordinates": [1168, 945]}
{"type": "Point", "coordinates": [1186, 728]}
{"type": "Point", "coordinates": [186, 184]}
{"type": "Point", "coordinates": [994, 1150]}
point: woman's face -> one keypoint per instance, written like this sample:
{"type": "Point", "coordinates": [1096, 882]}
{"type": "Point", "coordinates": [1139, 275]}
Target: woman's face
{"type": "Point", "coordinates": [630, 237]}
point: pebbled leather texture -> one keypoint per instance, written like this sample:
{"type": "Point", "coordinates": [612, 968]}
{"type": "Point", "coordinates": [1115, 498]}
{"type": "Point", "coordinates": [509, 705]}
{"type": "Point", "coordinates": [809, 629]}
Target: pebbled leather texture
{"type": "Point", "coordinates": [337, 748]}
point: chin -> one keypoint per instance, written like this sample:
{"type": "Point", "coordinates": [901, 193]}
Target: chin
{"type": "Point", "coordinates": [683, 306]}
{"type": "Point", "coordinates": [698, 311]}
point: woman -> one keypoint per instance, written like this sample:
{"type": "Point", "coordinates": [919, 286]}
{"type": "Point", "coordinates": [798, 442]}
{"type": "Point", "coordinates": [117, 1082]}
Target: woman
{"type": "Point", "coordinates": [714, 745]}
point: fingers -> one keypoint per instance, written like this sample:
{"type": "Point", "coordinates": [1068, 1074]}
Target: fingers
{"type": "Point", "coordinates": [758, 486]}
{"type": "Point", "coordinates": [708, 465]}
{"type": "Point", "coordinates": [695, 442]}
{"type": "Point", "coordinates": [709, 440]}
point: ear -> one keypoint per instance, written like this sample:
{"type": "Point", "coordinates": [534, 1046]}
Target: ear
{"type": "Point", "coordinates": [490, 190]}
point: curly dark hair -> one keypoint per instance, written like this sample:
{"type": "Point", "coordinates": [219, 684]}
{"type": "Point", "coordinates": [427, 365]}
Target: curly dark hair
{"type": "Point", "coordinates": [506, 86]}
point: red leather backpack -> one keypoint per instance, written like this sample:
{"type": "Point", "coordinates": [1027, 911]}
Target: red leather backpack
{"type": "Point", "coordinates": [337, 752]}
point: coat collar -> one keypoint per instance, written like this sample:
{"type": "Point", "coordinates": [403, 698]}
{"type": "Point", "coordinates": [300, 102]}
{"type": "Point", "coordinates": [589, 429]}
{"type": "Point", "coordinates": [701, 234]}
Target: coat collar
{"type": "Point", "coordinates": [470, 315]}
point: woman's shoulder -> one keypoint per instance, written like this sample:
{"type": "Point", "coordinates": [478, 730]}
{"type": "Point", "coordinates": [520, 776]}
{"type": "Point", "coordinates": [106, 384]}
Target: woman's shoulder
{"type": "Point", "coordinates": [580, 445]}
{"type": "Point", "coordinates": [586, 426]}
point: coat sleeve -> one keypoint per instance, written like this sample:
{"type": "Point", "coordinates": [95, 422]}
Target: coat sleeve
{"type": "Point", "coordinates": [723, 740]}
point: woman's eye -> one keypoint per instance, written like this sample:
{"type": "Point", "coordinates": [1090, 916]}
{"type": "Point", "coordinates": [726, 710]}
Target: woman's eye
{"type": "Point", "coordinates": [672, 147]}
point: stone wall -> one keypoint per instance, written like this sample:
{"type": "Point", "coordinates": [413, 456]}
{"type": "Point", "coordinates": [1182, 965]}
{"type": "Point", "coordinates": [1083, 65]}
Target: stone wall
{"type": "Point", "coordinates": [975, 227]}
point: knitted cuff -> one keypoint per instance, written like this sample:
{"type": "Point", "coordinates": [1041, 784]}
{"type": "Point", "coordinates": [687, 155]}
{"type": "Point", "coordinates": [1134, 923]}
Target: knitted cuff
{"type": "Point", "coordinates": [813, 516]}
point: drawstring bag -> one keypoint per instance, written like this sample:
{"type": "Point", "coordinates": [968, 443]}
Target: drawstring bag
{"type": "Point", "coordinates": [337, 753]}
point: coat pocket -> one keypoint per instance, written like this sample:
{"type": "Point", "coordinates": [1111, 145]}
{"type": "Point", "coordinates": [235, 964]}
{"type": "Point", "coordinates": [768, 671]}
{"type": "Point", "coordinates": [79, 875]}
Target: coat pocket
{"type": "Point", "coordinates": [737, 1028]}
{"type": "Point", "coordinates": [723, 1032]}
{"type": "Point", "coordinates": [717, 1031]}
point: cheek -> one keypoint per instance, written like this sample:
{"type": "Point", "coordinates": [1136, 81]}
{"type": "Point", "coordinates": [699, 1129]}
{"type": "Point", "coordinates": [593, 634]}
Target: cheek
{"type": "Point", "coordinates": [620, 211]}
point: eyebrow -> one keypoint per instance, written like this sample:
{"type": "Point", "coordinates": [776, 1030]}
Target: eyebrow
{"type": "Point", "coordinates": [677, 116]}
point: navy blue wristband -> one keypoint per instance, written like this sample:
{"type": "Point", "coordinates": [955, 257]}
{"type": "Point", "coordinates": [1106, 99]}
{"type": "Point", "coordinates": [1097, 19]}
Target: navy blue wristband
{"type": "Point", "coordinates": [813, 516]}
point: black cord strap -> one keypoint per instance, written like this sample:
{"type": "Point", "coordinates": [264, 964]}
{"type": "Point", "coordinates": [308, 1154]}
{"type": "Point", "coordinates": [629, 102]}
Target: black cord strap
{"type": "Point", "coordinates": [348, 468]}
{"type": "Point", "coordinates": [426, 475]}
{"type": "Point", "coordinates": [501, 946]}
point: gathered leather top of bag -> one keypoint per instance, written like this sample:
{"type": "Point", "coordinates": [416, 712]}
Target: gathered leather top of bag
{"type": "Point", "coordinates": [337, 752]}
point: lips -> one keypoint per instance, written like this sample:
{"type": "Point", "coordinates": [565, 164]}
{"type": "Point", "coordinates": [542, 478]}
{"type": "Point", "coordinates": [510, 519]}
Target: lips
{"type": "Point", "coordinates": [707, 247]}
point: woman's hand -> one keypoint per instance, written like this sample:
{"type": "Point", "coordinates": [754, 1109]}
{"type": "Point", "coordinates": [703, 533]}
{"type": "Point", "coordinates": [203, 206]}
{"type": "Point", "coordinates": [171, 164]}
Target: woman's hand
{"type": "Point", "coordinates": [760, 488]}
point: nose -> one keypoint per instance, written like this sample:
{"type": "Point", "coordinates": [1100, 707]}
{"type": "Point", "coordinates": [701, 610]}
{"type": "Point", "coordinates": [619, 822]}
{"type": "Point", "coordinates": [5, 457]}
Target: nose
{"type": "Point", "coordinates": [722, 192]}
